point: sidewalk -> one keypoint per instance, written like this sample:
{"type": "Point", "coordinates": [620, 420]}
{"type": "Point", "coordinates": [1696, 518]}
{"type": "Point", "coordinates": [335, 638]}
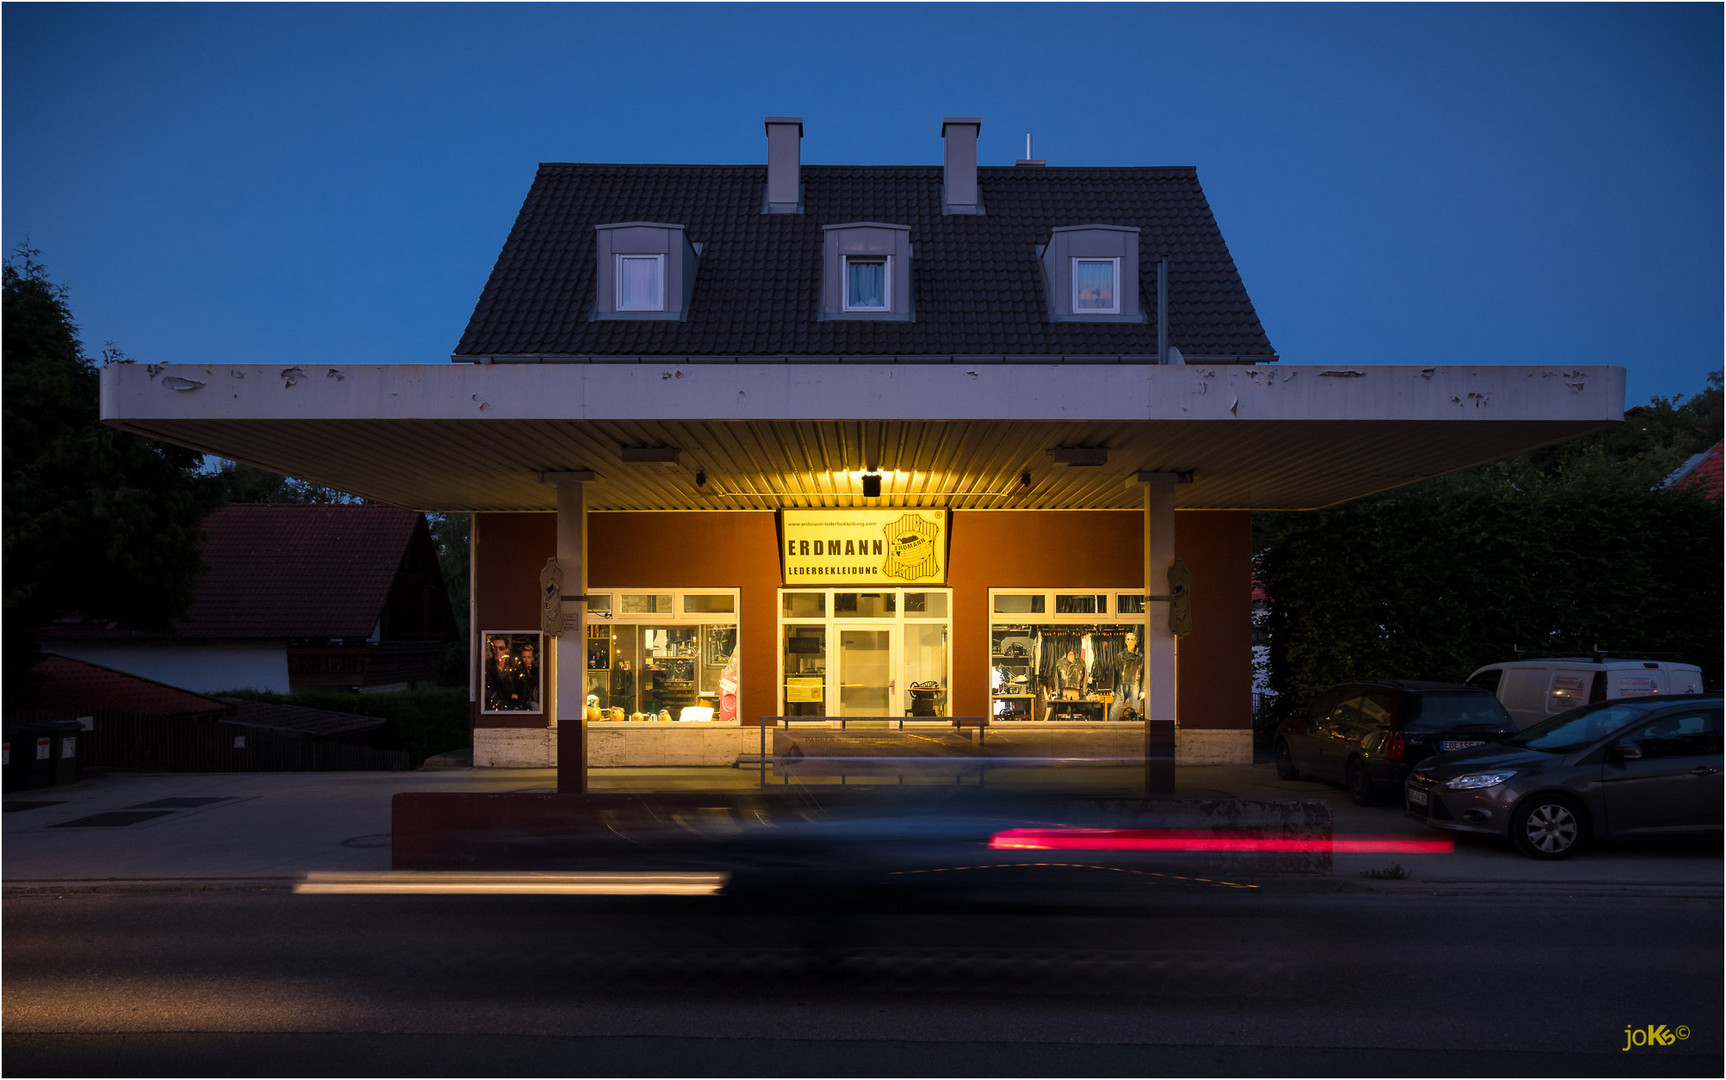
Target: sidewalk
{"type": "Point", "coordinates": [190, 830]}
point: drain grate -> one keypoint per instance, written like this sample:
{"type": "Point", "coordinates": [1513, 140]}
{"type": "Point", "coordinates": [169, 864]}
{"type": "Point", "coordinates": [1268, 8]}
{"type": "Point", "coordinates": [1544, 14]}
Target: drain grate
{"type": "Point", "coordinates": [16, 805]}
{"type": "Point", "coordinates": [111, 819]}
{"type": "Point", "coordinates": [184, 802]}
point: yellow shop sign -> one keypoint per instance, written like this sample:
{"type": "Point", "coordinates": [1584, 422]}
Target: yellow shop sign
{"type": "Point", "coordinates": [879, 547]}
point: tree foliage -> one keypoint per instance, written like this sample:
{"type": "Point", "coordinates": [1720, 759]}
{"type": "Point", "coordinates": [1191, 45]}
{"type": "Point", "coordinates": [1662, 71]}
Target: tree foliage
{"type": "Point", "coordinates": [1574, 547]}
{"type": "Point", "coordinates": [98, 522]}
{"type": "Point", "coordinates": [237, 482]}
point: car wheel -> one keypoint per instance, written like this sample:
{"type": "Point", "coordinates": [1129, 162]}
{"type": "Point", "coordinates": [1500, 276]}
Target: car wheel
{"type": "Point", "coordinates": [1285, 761]}
{"type": "Point", "coordinates": [1547, 827]}
{"type": "Point", "coordinates": [1360, 784]}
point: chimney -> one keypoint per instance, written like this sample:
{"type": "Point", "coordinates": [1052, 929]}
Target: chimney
{"type": "Point", "coordinates": [784, 164]}
{"type": "Point", "coordinates": [959, 175]}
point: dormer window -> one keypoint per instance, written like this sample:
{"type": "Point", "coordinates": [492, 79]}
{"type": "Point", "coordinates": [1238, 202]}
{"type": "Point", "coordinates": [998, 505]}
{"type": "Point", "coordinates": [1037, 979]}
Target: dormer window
{"type": "Point", "coordinates": [1095, 286]}
{"type": "Point", "coordinates": [646, 270]}
{"type": "Point", "coordinates": [1092, 273]}
{"type": "Point", "coordinates": [641, 283]}
{"type": "Point", "coordinates": [866, 283]}
{"type": "Point", "coordinates": [866, 272]}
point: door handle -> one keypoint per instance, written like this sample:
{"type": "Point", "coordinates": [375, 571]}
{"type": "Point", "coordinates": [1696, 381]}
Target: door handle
{"type": "Point", "coordinates": [1703, 770]}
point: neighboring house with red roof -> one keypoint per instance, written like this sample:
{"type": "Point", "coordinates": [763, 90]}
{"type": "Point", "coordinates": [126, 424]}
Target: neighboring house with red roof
{"type": "Point", "coordinates": [67, 684]}
{"type": "Point", "coordinates": [137, 723]}
{"type": "Point", "coordinates": [293, 597]}
{"type": "Point", "coordinates": [1701, 472]}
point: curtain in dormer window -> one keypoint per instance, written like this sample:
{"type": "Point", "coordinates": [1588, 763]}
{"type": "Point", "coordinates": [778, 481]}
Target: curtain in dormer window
{"type": "Point", "coordinates": [865, 284]}
{"type": "Point", "coordinates": [1094, 285]}
{"type": "Point", "coordinates": [640, 283]}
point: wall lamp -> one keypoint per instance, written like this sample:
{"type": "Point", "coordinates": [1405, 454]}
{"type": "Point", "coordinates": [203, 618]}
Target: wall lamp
{"type": "Point", "coordinates": [871, 485]}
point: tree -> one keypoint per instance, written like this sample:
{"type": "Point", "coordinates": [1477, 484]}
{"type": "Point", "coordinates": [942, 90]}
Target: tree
{"type": "Point", "coordinates": [453, 534]}
{"type": "Point", "coordinates": [97, 522]}
{"type": "Point", "coordinates": [1565, 549]}
{"type": "Point", "coordinates": [239, 482]}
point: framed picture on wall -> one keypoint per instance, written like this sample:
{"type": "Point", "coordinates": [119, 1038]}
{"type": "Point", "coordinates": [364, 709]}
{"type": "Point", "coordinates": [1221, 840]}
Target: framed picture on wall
{"type": "Point", "coordinates": [514, 677]}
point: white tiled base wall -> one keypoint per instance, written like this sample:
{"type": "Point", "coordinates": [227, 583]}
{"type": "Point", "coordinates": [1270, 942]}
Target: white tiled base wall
{"type": "Point", "coordinates": [649, 745]}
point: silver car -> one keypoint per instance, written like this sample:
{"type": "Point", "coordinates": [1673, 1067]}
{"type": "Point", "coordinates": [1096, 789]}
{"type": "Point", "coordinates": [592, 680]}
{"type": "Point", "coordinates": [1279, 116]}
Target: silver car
{"type": "Point", "coordinates": [1618, 769]}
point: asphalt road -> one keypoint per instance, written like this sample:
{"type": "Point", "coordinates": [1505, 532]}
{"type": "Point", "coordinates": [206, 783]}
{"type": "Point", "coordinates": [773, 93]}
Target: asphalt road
{"type": "Point", "coordinates": [1047, 971]}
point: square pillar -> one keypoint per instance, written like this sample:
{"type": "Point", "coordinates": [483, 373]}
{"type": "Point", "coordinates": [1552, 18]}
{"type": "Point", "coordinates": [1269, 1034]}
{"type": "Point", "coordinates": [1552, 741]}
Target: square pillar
{"type": "Point", "coordinates": [1159, 672]}
{"type": "Point", "coordinates": [569, 690]}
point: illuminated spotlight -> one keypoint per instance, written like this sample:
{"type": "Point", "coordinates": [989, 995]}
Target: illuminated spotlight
{"type": "Point", "coordinates": [1203, 840]}
{"type": "Point", "coordinates": [641, 883]}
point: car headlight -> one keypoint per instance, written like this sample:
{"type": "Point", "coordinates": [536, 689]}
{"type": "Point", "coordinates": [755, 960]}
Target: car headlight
{"type": "Point", "coordinates": [1469, 781]}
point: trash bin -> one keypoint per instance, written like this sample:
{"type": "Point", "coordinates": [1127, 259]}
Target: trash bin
{"type": "Point", "coordinates": [29, 757]}
{"type": "Point", "coordinates": [63, 751]}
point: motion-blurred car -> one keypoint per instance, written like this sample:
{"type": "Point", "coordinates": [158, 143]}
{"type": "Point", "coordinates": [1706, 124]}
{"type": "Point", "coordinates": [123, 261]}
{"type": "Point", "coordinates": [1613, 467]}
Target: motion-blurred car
{"type": "Point", "coordinates": [1619, 770]}
{"type": "Point", "coordinates": [1367, 734]}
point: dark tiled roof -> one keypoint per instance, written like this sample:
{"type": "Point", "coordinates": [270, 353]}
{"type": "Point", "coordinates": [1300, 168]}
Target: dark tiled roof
{"type": "Point", "coordinates": [78, 684]}
{"type": "Point", "coordinates": [284, 570]}
{"type": "Point", "coordinates": [299, 719]}
{"type": "Point", "coordinates": [977, 287]}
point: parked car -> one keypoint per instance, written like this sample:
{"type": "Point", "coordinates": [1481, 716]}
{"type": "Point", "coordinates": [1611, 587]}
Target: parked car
{"type": "Point", "coordinates": [1367, 734]}
{"type": "Point", "coordinates": [1618, 769]}
{"type": "Point", "coordinates": [1534, 690]}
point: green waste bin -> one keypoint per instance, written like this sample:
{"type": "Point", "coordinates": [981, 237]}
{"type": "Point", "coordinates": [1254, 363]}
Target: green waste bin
{"type": "Point", "coordinates": [63, 750]}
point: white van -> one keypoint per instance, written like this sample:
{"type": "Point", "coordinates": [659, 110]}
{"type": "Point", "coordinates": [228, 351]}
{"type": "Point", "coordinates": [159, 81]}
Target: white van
{"type": "Point", "coordinates": [1532, 690]}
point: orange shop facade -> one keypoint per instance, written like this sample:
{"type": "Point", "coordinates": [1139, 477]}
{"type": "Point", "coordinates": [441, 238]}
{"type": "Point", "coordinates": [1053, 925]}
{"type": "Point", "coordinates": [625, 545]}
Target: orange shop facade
{"type": "Point", "coordinates": [698, 625]}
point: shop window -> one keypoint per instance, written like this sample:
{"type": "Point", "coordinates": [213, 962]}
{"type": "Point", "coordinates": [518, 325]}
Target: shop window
{"type": "Point", "coordinates": [1130, 604]}
{"type": "Point", "coordinates": [805, 662]}
{"type": "Point", "coordinates": [666, 656]}
{"type": "Point", "coordinates": [865, 605]}
{"type": "Point", "coordinates": [708, 603]}
{"type": "Point", "coordinates": [803, 605]}
{"type": "Point", "coordinates": [927, 605]}
{"type": "Point", "coordinates": [1081, 603]}
{"type": "Point", "coordinates": [1065, 656]}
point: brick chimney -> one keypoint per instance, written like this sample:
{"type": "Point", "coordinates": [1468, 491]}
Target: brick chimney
{"type": "Point", "coordinates": [784, 164]}
{"type": "Point", "coordinates": [959, 176]}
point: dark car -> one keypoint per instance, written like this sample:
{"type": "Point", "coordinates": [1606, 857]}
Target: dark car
{"type": "Point", "coordinates": [1620, 769]}
{"type": "Point", "coordinates": [1367, 734]}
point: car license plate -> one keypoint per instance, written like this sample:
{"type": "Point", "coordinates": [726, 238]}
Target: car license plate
{"type": "Point", "coordinates": [1460, 744]}
{"type": "Point", "coordinates": [1416, 797]}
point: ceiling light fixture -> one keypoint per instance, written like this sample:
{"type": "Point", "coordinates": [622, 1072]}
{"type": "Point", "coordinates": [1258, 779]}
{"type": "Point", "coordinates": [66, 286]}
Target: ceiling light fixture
{"type": "Point", "coordinates": [872, 485]}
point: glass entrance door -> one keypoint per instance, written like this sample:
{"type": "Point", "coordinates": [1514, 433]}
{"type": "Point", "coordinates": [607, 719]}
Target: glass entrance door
{"type": "Point", "coordinates": [865, 670]}
{"type": "Point", "coordinates": [848, 653]}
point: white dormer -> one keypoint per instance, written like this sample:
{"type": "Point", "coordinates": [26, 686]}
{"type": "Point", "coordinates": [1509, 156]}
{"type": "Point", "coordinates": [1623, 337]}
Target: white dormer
{"type": "Point", "coordinates": [866, 272]}
{"type": "Point", "coordinates": [1092, 273]}
{"type": "Point", "coordinates": [646, 271]}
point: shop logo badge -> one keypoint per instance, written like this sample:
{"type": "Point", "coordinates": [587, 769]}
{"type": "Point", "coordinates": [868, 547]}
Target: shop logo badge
{"type": "Point", "coordinates": [911, 553]}
{"type": "Point", "coordinates": [1654, 1035]}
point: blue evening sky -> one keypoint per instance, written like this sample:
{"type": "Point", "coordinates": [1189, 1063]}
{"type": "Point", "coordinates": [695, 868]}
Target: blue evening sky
{"type": "Point", "coordinates": [330, 183]}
